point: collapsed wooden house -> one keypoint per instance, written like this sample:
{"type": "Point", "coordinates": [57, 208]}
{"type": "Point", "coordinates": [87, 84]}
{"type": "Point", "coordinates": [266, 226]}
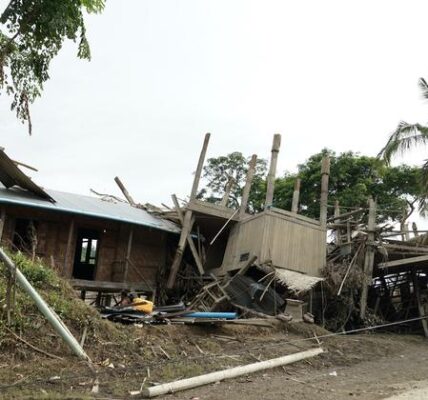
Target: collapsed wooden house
{"type": "Point", "coordinates": [287, 242]}
{"type": "Point", "coordinates": [102, 245]}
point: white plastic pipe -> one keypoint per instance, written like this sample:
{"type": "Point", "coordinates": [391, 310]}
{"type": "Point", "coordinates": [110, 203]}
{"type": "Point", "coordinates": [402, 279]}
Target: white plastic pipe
{"type": "Point", "coordinates": [50, 315]}
{"type": "Point", "coordinates": [228, 373]}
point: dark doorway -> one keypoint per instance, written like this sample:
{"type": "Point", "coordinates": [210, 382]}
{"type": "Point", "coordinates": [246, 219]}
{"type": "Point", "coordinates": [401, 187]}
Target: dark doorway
{"type": "Point", "coordinates": [85, 260]}
{"type": "Point", "coordinates": [25, 235]}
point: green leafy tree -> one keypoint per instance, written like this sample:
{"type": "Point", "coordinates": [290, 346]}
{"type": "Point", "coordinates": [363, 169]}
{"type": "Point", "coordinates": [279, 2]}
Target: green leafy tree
{"type": "Point", "coordinates": [353, 179]}
{"type": "Point", "coordinates": [233, 167]}
{"type": "Point", "coordinates": [31, 34]}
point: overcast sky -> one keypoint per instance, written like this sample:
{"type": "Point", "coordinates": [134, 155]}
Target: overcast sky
{"type": "Point", "coordinates": [336, 74]}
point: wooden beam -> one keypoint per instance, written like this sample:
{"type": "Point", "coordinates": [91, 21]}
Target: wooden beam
{"type": "Point", "coordinates": [247, 188]}
{"type": "Point", "coordinates": [68, 249]}
{"type": "Point", "coordinates": [410, 249]}
{"type": "Point", "coordinates": [199, 167]}
{"type": "Point", "coordinates": [124, 191]}
{"type": "Point", "coordinates": [187, 225]}
{"type": "Point", "coordinates": [215, 210]}
{"type": "Point", "coordinates": [296, 196]}
{"type": "Point", "coordinates": [404, 261]}
{"type": "Point", "coordinates": [421, 309]}
{"type": "Point", "coordinates": [336, 220]}
{"type": "Point", "coordinates": [272, 170]}
{"type": "Point", "coordinates": [325, 173]}
{"type": "Point", "coordinates": [106, 286]}
{"type": "Point", "coordinates": [369, 258]}
{"type": "Point", "coordinates": [344, 215]}
{"type": "Point", "coordinates": [128, 253]}
{"type": "Point", "coordinates": [192, 246]}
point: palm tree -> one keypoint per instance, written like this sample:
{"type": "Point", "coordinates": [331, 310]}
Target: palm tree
{"type": "Point", "coordinates": [405, 138]}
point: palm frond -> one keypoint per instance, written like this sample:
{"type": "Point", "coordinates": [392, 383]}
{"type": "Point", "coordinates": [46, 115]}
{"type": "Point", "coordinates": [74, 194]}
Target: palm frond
{"type": "Point", "coordinates": [423, 85]}
{"type": "Point", "coordinates": [405, 137]}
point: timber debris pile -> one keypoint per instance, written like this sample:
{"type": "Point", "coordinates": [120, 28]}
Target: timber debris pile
{"type": "Point", "coordinates": [201, 262]}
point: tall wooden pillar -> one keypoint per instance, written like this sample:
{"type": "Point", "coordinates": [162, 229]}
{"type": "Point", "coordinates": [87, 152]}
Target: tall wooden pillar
{"type": "Point", "coordinates": [296, 196]}
{"type": "Point", "coordinates": [246, 191]}
{"type": "Point", "coordinates": [68, 250]}
{"type": "Point", "coordinates": [272, 170]}
{"type": "Point", "coordinates": [325, 173]}
{"type": "Point", "coordinates": [128, 253]}
{"type": "Point", "coordinates": [187, 226]}
{"type": "Point", "coordinates": [369, 258]}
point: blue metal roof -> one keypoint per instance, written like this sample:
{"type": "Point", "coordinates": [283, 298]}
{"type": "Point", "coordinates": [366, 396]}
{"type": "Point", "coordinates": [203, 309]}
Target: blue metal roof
{"type": "Point", "coordinates": [86, 205]}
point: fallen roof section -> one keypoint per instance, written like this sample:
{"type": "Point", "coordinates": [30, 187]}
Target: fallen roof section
{"type": "Point", "coordinates": [87, 206]}
{"type": "Point", "coordinates": [11, 175]}
{"type": "Point", "coordinates": [295, 281]}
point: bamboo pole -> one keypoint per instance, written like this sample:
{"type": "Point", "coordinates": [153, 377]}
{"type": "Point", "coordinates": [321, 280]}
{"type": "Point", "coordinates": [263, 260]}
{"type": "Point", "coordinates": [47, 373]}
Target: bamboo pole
{"type": "Point", "coordinates": [49, 314]}
{"type": "Point", "coordinates": [325, 173]}
{"type": "Point", "coordinates": [228, 373]}
{"type": "Point", "coordinates": [187, 226]}
{"type": "Point", "coordinates": [272, 170]}
{"type": "Point", "coordinates": [296, 196]}
{"type": "Point", "coordinates": [369, 258]}
{"type": "Point", "coordinates": [249, 180]}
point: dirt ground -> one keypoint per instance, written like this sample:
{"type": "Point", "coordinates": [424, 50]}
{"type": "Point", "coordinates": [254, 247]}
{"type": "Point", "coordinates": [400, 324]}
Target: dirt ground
{"type": "Point", "coordinates": [368, 366]}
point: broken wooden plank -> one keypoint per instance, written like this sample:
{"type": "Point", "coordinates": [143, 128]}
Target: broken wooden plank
{"type": "Point", "coordinates": [192, 246]}
{"type": "Point", "coordinates": [405, 261]}
{"type": "Point", "coordinates": [124, 191]}
{"type": "Point", "coordinates": [187, 226]}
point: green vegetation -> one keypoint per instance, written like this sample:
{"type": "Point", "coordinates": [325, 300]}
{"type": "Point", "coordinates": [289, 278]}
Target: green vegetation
{"type": "Point", "coordinates": [55, 291]}
{"type": "Point", "coordinates": [353, 179]}
{"type": "Point", "coordinates": [32, 33]}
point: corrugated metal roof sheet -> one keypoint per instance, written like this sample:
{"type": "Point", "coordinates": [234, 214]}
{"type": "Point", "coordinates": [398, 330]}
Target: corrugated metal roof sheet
{"type": "Point", "coordinates": [11, 175]}
{"type": "Point", "coordinates": [88, 206]}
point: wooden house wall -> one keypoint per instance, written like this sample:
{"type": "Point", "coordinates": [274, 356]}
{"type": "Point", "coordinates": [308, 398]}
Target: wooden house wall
{"type": "Point", "coordinates": [295, 243]}
{"type": "Point", "coordinates": [147, 251]}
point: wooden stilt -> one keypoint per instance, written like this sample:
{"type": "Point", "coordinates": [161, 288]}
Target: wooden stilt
{"type": "Point", "coordinates": [68, 251]}
{"type": "Point", "coordinates": [272, 170]}
{"type": "Point", "coordinates": [325, 173]}
{"type": "Point", "coordinates": [189, 237]}
{"type": "Point", "coordinates": [417, 293]}
{"type": "Point", "coordinates": [186, 226]}
{"type": "Point", "coordinates": [296, 196]}
{"type": "Point", "coordinates": [247, 187]}
{"type": "Point", "coordinates": [227, 191]}
{"type": "Point", "coordinates": [369, 258]}
{"type": "Point", "coordinates": [337, 221]}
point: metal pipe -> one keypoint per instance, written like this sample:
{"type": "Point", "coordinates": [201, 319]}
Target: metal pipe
{"type": "Point", "coordinates": [49, 314]}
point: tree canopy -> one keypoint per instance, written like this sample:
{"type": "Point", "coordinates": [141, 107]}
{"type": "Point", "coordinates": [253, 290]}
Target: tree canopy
{"type": "Point", "coordinates": [353, 179]}
{"type": "Point", "coordinates": [31, 34]}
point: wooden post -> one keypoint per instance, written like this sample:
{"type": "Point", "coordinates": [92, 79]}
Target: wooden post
{"type": "Point", "coordinates": [2, 221]}
{"type": "Point", "coordinates": [246, 192]}
{"type": "Point", "coordinates": [336, 221]}
{"type": "Point", "coordinates": [228, 188]}
{"type": "Point", "coordinates": [124, 191]}
{"type": "Point", "coordinates": [272, 170]}
{"type": "Point", "coordinates": [325, 173]}
{"type": "Point", "coordinates": [406, 232]}
{"type": "Point", "coordinates": [369, 258]}
{"type": "Point", "coordinates": [128, 254]}
{"type": "Point", "coordinates": [296, 196]}
{"type": "Point", "coordinates": [192, 245]}
{"type": "Point", "coordinates": [187, 226]}
{"type": "Point", "coordinates": [415, 229]}
{"type": "Point", "coordinates": [416, 291]}
{"type": "Point", "coordinates": [68, 249]}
